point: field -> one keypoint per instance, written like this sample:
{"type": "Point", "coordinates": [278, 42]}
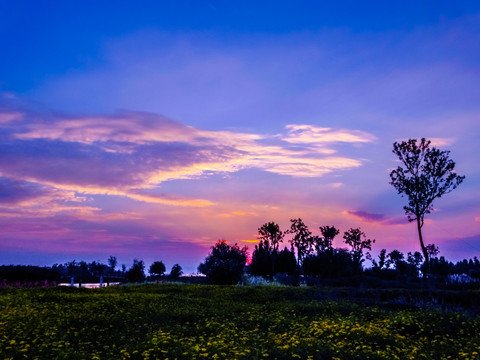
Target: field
{"type": "Point", "coordinates": [175, 321]}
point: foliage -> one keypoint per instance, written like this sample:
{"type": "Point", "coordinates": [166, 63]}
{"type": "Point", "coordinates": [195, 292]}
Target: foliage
{"type": "Point", "coordinates": [263, 260]}
{"type": "Point", "coordinates": [267, 260]}
{"type": "Point", "coordinates": [329, 233]}
{"type": "Point", "coordinates": [382, 260]}
{"type": "Point", "coordinates": [286, 263]}
{"type": "Point", "coordinates": [84, 272]}
{"type": "Point", "coordinates": [394, 258]}
{"type": "Point", "coordinates": [176, 271]}
{"type": "Point", "coordinates": [271, 236]}
{"type": "Point", "coordinates": [225, 264]}
{"type": "Point", "coordinates": [27, 274]}
{"type": "Point", "coordinates": [302, 239]}
{"type": "Point", "coordinates": [432, 250]}
{"type": "Point", "coordinates": [329, 264]}
{"type": "Point", "coordinates": [208, 322]}
{"type": "Point", "coordinates": [357, 240]}
{"type": "Point", "coordinates": [157, 268]}
{"type": "Point", "coordinates": [427, 174]}
{"type": "Point", "coordinates": [112, 263]}
{"type": "Point", "coordinates": [137, 272]}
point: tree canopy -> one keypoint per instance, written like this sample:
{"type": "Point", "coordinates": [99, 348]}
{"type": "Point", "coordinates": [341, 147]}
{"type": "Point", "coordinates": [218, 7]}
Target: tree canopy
{"type": "Point", "coordinates": [426, 174]}
{"type": "Point", "coordinates": [225, 263]}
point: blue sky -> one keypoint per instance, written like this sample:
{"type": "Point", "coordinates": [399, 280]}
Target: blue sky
{"type": "Point", "coordinates": [141, 130]}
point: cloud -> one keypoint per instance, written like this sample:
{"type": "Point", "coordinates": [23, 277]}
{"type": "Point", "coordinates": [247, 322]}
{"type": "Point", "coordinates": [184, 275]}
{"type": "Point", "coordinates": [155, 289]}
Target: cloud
{"type": "Point", "coordinates": [440, 142]}
{"type": "Point", "coordinates": [374, 218]}
{"type": "Point", "coordinates": [20, 198]}
{"type": "Point", "coordinates": [146, 196]}
{"type": "Point", "coordinates": [6, 117]}
{"type": "Point", "coordinates": [131, 154]}
{"type": "Point", "coordinates": [308, 134]}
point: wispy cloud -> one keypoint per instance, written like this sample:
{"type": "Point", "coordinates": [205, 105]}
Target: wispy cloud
{"type": "Point", "coordinates": [374, 218]}
{"type": "Point", "coordinates": [128, 153]}
{"type": "Point", "coordinates": [308, 134]}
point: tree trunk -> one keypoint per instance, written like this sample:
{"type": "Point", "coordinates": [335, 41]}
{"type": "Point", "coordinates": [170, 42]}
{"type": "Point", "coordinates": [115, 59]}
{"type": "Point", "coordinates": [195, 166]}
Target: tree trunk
{"type": "Point", "coordinates": [424, 249]}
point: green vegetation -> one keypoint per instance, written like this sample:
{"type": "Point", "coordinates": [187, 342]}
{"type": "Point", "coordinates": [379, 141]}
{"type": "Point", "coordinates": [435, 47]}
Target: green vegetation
{"type": "Point", "coordinates": [174, 321]}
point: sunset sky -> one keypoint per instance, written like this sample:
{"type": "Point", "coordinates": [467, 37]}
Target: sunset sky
{"type": "Point", "coordinates": [152, 129]}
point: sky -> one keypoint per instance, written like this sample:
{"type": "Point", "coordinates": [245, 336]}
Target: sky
{"type": "Point", "coordinates": [153, 129]}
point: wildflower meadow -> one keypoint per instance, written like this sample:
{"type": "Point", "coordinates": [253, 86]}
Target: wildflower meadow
{"type": "Point", "coordinates": [181, 321]}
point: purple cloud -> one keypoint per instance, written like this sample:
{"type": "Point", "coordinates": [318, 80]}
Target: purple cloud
{"type": "Point", "coordinates": [378, 218]}
{"type": "Point", "coordinates": [123, 153]}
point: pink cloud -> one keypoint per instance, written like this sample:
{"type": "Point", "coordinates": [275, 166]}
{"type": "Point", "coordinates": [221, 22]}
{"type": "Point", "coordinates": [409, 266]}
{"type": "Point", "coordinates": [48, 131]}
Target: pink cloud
{"type": "Point", "coordinates": [132, 150]}
{"type": "Point", "coordinates": [374, 218]}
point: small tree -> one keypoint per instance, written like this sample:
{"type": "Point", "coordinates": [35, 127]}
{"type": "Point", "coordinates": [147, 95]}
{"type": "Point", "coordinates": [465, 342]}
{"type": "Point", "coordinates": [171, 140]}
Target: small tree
{"type": "Point", "coordinates": [225, 264]}
{"type": "Point", "coordinates": [302, 239]}
{"type": "Point", "coordinates": [176, 271]}
{"type": "Point", "coordinates": [137, 272]}
{"type": "Point", "coordinates": [415, 260]}
{"type": "Point", "coordinates": [382, 260]}
{"type": "Point", "coordinates": [271, 235]}
{"type": "Point", "coordinates": [328, 233]}
{"type": "Point", "coordinates": [432, 250]}
{"type": "Point", "coordinates": [112, 263]}
{"type": "Point", "coordinates": [427, 174]}
{"type": "Point", "coordinates": [357, 240]}
{"type": "Point", "coordinates": [157, 269]}
{"type": "Point", "coordinates": [394, 258]}
{"type": "Point", "coordinates": [265, 255]}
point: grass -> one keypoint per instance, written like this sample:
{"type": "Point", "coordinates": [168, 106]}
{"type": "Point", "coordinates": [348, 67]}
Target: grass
{"type": "Point", "coordinates": [178, 321]}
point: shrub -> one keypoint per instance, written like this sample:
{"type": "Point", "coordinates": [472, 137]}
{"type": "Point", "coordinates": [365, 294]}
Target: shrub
{"type": "Point", "coordinates": [225, 264]}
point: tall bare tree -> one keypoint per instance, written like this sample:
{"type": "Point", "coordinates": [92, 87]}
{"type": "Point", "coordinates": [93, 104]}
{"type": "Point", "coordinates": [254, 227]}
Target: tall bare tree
{"type": "Point", "coordinates": [427, 173]}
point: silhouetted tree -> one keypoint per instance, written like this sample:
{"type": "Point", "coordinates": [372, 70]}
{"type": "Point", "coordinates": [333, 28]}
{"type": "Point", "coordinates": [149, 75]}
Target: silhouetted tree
{"type": "Point", "coordinates": [29, 275]}
{"type": "Point", "coordinates": [96, 268]}
{"type": "Point", "coordinates": [440, 267]}
{"type": "Point", "coordinates": [319, 263]}
{"type": "Point", "coordinates": [176, 271]}
{"type": "Point", "coordinates": [415, 260]}
{"type": "Point", "coordinates": [137, 272]}
{"type": "Point", "coordinates": [72, 268]}
{"type": "Point", "coordinates": [382, 260]}
{"type": "Point", "coordinates": [286, 263]}
{"type": "Point", "coordinates": [225, 264]}
{"type": "Point", "coordinates": [427, 174]}
{"type": "Point", "coordinates": [358, 241]}
{"type": "Point", "coordinates": [432, 250]}
{"type": "Point", "coordinates": [394, 258]}
{"type": "Point", "coordinates": [271, 235]}
{"type": "Point", "coordinates": [263, 260]}
{"type": "Point", "coordinates": [328, 234]}
{"type": "Point", "coordinates": [265, 255]}
{"type": "Point", "coordinates": [112, 263]}
{"type": "Point", "coordinates": [302, 239]}
{"type": "Point", "coordinates": [157, 269]}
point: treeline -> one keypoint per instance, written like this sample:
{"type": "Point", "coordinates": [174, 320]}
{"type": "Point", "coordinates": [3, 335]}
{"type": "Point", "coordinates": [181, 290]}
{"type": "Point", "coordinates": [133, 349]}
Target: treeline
{"type": "Point", "coordinates": [84, 272]}
{"type": "Point", "coordinates": [314, 258]}
{"type": "Point", "coordinates": [303, 257]}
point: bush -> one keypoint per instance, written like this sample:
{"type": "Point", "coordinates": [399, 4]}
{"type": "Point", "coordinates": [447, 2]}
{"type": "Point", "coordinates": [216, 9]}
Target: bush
{"type": "Point", "coordinates": [157, 269]}
{"type": "Point", "coordinates": [225, 264]}
{"type": "Point", "coordinates": [137, 272]}
{"type": "Point", "coordinates": [176, 271]}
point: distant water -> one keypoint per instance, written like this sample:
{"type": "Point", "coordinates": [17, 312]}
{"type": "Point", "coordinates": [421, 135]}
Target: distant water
{"type": "Point", "coordinates": [90, 285]}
